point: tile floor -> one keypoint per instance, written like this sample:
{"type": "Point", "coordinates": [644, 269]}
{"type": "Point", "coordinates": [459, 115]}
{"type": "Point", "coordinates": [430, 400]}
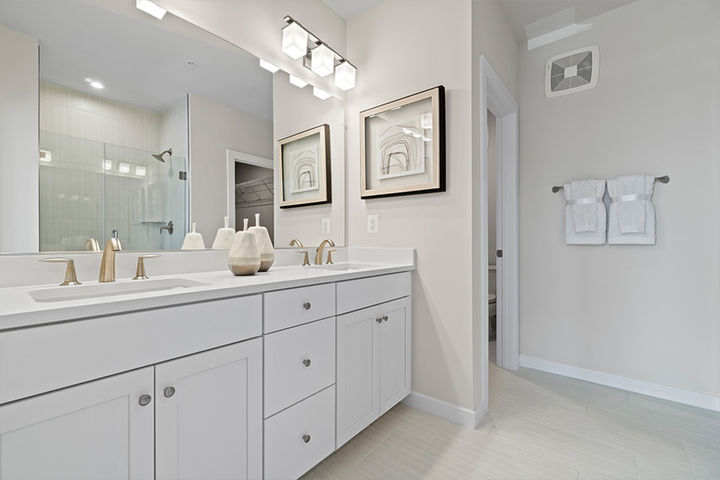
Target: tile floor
{"type": "Point", "coordinates": [540, 426]}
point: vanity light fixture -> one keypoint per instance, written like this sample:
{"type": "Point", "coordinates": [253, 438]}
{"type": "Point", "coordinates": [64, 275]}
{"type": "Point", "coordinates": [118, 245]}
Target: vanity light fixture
{"type": "Point", "coordinates": [321, 94]}
{"type": "Point", "coordinates": [269, 66]}
{"type": "Point", "coordinates": [45, 155]}
{"type": "Point", "coordinates": [322, 60]}
{"type": "Point", "coordinates": [124, 168]}
{"type": "Point", "coordinates": [297, 81]}
{"type": "Point", "coordinates": [345, 74]}
{"type": "Point", "coordinates": [151, 8]}
{"type": "Point", "coordinates": [294, 40]}
{"type": "Point", "coordinates": [107, 165]}
{"type": "Point", "coordinates": [140, 171]}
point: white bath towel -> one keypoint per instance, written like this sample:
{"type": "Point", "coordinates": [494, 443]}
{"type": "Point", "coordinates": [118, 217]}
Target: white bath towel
{"type": "Point", "coordinates": [585, 215]}
{"type": "Point", "coordinates": [632, 213]}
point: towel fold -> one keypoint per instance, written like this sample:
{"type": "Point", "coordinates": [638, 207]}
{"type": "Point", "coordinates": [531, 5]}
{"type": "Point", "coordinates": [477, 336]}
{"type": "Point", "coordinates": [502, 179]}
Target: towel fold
{"type": "Point", "coordinates": [632, 213]}
{"type": "Point", "coordinates": [585, 215]}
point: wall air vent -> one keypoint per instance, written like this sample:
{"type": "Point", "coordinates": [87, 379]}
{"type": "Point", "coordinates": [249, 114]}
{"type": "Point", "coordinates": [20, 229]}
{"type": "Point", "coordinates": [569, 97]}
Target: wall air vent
{"type": "Point", "coordinates": [572, 72]}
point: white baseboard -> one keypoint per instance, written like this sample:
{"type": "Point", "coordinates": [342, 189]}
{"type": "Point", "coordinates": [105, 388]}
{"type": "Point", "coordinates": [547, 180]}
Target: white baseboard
{"type": "Point", "coordinates": [687, 397]}
{"type": "Point", "coordinates": [440, 408]}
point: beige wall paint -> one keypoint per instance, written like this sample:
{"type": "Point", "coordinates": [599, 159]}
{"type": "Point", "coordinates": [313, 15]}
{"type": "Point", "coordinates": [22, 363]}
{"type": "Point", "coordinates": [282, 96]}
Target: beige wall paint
{"type": "Point", "coordinates": [296, 110]}
{"type": "Point", "coordinates": [644, 312]}
{"type": "Point", "coordinates": [18, 142]}
{"type": "Point", "coordinates": [214, 128]}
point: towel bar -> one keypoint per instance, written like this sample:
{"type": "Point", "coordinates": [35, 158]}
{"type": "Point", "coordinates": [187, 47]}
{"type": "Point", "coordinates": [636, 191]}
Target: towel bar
{"type": "Point", "coordinates": [663, 179]}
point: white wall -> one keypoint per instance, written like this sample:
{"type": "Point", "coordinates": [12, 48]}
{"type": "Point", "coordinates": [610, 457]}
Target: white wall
{"type": "Point", "coordinates": [18, 142]}
{"type": "Point", "coordinates": [492, 176]}
{"type": "Point", "coordinates": [296, 110]}
{"type": "Point", "coordinates": [645, 312]}
{"type": "Point", "coordinates": [214, 128]}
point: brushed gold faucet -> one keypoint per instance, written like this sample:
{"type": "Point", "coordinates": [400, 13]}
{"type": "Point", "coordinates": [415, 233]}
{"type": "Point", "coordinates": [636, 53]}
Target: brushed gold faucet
{"type": "Point", "coordinates": [319, 252]}
{"type": "Point", "coordinates": [107, 265]}
{"type": "Point", "coordinates": [297, 243]}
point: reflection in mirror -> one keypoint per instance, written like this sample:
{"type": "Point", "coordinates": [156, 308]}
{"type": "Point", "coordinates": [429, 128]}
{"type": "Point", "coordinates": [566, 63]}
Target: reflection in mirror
{"type": "Point", "coordinates": [135, 120]}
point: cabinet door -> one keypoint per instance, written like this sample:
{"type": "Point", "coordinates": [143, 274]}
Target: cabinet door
{"type": "Point", "coordinates": [208, 419]}
{"type": "Point", "coordinates": [94, 431]}
{"type": "Point", "coordinates": [358, 396]}
{"type": "Point", "coordinates": [395, 353]}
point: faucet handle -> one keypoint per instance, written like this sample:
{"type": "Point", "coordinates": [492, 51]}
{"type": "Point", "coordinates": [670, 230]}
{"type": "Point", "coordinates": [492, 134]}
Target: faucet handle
{"type": "Point", "coordinates": [140, 272]}
{"type": "Point", "coordinates": [306, 259]}
{"type": "Point", "coordinates": [70, 274]}
{"type": "Point", "coordinates": [329, 257]}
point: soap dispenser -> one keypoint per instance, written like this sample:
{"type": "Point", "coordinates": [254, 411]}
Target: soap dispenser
{"type": "Point", "coordinates": [224, 237]}
{"type": "Point", "coordinates": [193, 240]}
{"type": "Point", "coordinates": [267, 252]}
{"type": "Point", "coordinates": [244, 255]}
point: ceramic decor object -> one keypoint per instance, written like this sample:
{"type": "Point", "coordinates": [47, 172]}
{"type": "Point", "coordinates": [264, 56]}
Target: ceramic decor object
{"type": "Point", "coordinates": [244, 255]}
{"type": "Point", "coordinates": [224, 237]}
{"type": "Point", "coordinates": [267, 251]}
{"type": "Point", "coordinates": [193, 240]}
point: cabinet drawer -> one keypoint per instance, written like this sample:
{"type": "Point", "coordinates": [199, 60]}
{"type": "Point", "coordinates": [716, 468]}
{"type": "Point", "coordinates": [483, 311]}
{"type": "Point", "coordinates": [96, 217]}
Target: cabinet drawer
{"type": "Point", "coordinates": [37, 360]}
{"type": "Point", "coordinates": [287, 308]}
{"type": "Point", "coordinates": [364, 292]}
{"type": "Point", "coordinates": [300, 437]}
{"type": "Point", "coordinates": [299, 361]}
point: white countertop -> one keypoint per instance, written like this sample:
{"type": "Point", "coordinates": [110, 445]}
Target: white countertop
{"type": "Point", "coordinates": [18, 309]}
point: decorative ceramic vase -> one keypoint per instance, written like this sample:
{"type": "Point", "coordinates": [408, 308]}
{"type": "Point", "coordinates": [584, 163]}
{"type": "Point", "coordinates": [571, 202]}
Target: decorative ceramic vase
{"type": "Point", "coordinates": [193, 240]}
{"type": "Point", "coordinates": [267, 252]}
{"type": "Point", "coordinates": [224, 237]}
{"type": "Point", "coordinates": [244, 255]}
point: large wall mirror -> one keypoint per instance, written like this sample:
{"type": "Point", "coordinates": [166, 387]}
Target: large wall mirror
{"type": "Point", "coordinates": [143, 127]}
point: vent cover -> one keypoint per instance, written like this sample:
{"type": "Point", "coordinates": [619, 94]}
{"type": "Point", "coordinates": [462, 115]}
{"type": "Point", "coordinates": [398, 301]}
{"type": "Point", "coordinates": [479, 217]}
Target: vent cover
{"type": "Point", "coordinates": [572, 72]}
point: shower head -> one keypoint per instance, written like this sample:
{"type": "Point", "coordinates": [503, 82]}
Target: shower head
{"type": "Point", "coordinates": [159, 156]}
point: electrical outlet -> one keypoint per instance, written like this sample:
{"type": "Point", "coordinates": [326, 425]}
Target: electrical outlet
{"type": "Point", "coordinates": [325, 225]}
{"type": "Point", "coordinates": [372, 223]}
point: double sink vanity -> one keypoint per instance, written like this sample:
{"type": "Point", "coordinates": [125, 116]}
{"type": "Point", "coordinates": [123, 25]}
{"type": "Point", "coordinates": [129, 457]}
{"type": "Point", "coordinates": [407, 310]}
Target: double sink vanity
{"type": "Point", "coordinates": [202, 374]}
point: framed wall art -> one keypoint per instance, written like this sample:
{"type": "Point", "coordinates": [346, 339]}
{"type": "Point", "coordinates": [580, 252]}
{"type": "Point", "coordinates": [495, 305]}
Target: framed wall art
{"type": "Point", "coordinates": [402, 146]}
{"type": "Point", "coordinates": [304, 168]}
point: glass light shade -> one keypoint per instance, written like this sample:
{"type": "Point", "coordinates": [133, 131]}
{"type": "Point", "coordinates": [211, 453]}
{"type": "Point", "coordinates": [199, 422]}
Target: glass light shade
{"type": "Point", "coordinates": [124, 168]}
{"type": "Point", "coordinates": [294, 41]}
{"type": "Point", "coordinates": [345, 76]}
{"type": "Point", "coordinates": [323, 61]}
{"type": "Point", "coordinates": [297, 81]}
{"type": "Point", "coordinates": [321, 94]}
{"type": "Point", "coordinates": [269, 66]}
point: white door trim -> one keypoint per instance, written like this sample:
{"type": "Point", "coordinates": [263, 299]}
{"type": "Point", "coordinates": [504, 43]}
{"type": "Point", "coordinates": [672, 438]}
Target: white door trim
{"type": "Point", "coordinates": [496, 98]}
{"type": "Point", "coordinates": [240, 157]}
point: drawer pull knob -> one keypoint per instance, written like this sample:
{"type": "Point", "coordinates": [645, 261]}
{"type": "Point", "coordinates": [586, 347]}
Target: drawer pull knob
{"type": "Point", "coordinates": [169, 392]}
{"type": "Point", "coordinates": [307, 305]}
{"type": "Point", "coordinates": [379, 320]}
{"type": "Point", "coordinates": [307, 362]}
{"type": "Point", "coordinates": [144, 400]}
{"type": "Point", "coordinates": [306, 438]}
{"type": "Point", "coordinates": [385, 317]}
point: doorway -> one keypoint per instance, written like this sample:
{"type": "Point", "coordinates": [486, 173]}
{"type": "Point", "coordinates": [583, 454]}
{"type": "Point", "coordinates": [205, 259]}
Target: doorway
{"type": "Point", "coordinates": [250, 191]}
{"type": "Point", "coordinates": [498, 110]}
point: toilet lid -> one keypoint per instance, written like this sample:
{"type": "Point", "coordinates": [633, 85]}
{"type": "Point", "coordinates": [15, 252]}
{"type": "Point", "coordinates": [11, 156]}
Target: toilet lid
{"type": "Point", "coordinates": [491, 298]}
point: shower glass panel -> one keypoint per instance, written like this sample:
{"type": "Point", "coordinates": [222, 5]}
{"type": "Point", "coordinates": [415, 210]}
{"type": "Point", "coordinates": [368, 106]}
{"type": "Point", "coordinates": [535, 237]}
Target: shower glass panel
{"type": "Point", "coordinates": [88, 189]}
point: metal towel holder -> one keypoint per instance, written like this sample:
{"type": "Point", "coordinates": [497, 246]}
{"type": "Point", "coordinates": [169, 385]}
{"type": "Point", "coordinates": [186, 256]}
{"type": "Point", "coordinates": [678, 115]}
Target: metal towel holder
{"type": "Point", "coordinates": [663, 179]}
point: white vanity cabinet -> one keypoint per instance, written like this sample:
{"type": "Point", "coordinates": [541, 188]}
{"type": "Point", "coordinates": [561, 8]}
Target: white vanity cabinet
{"type": "Point", "coordinates": [97, 430]}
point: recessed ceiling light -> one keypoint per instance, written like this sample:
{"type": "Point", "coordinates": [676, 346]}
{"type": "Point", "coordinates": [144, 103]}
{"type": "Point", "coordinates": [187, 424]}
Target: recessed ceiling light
{"type": "Point", "coordinates": [297, 81]}
{"type": "Point", "coordinates": [321, 94]}
{"type": "Point", "coordinates": [151, 8]}
{"type": "Point", "coordinates": [269, 66]}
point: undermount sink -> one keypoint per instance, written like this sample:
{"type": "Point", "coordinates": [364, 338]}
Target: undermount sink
{"type": "Point", "coordinates": [80, 292]}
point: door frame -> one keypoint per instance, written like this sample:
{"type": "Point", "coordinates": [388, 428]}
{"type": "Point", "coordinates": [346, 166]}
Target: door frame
{"type": "Point", "coordinates": [234, 157]}
{"type": "Point", "coordinates": [496, 98]}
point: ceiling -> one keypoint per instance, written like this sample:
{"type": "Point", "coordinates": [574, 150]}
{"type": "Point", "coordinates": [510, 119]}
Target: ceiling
{"type": "Point", "coordinates": [140, 60]}
{"type": "Point", "coordinates": [524, 12]}
{"type": "Point", "coordinates": [350, 8]}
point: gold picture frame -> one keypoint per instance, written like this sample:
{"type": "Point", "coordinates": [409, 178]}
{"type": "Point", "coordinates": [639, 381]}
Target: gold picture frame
{"type": "Point", "coordinates": [304, 168]}
{"type": "Point", "coordinates": [402, 146]}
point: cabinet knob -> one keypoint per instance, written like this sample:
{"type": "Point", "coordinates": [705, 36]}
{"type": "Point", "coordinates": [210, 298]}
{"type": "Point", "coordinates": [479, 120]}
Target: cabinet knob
{"type": "Point", "coordinates": [385, 318]}
{"type": "Point", "coordinates": [144, 399]}
{"type": "Point", "coordinates": [307, 305]}
{"type": "Point", "coordinates": [379, 320]}
{"type": "Point", "coordinates": [306, 438]}
{"type": "Point", "coordinates": [307, 362]}
{"type": "Point", "coordinates": [169, 392]}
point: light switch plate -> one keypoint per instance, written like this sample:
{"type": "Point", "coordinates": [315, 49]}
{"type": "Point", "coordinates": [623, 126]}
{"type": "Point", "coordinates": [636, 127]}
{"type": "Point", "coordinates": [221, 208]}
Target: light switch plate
{"type": "Point", "coordinates": [325, 225]}
{"type": "Point", "coordinates": [372, 223]}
